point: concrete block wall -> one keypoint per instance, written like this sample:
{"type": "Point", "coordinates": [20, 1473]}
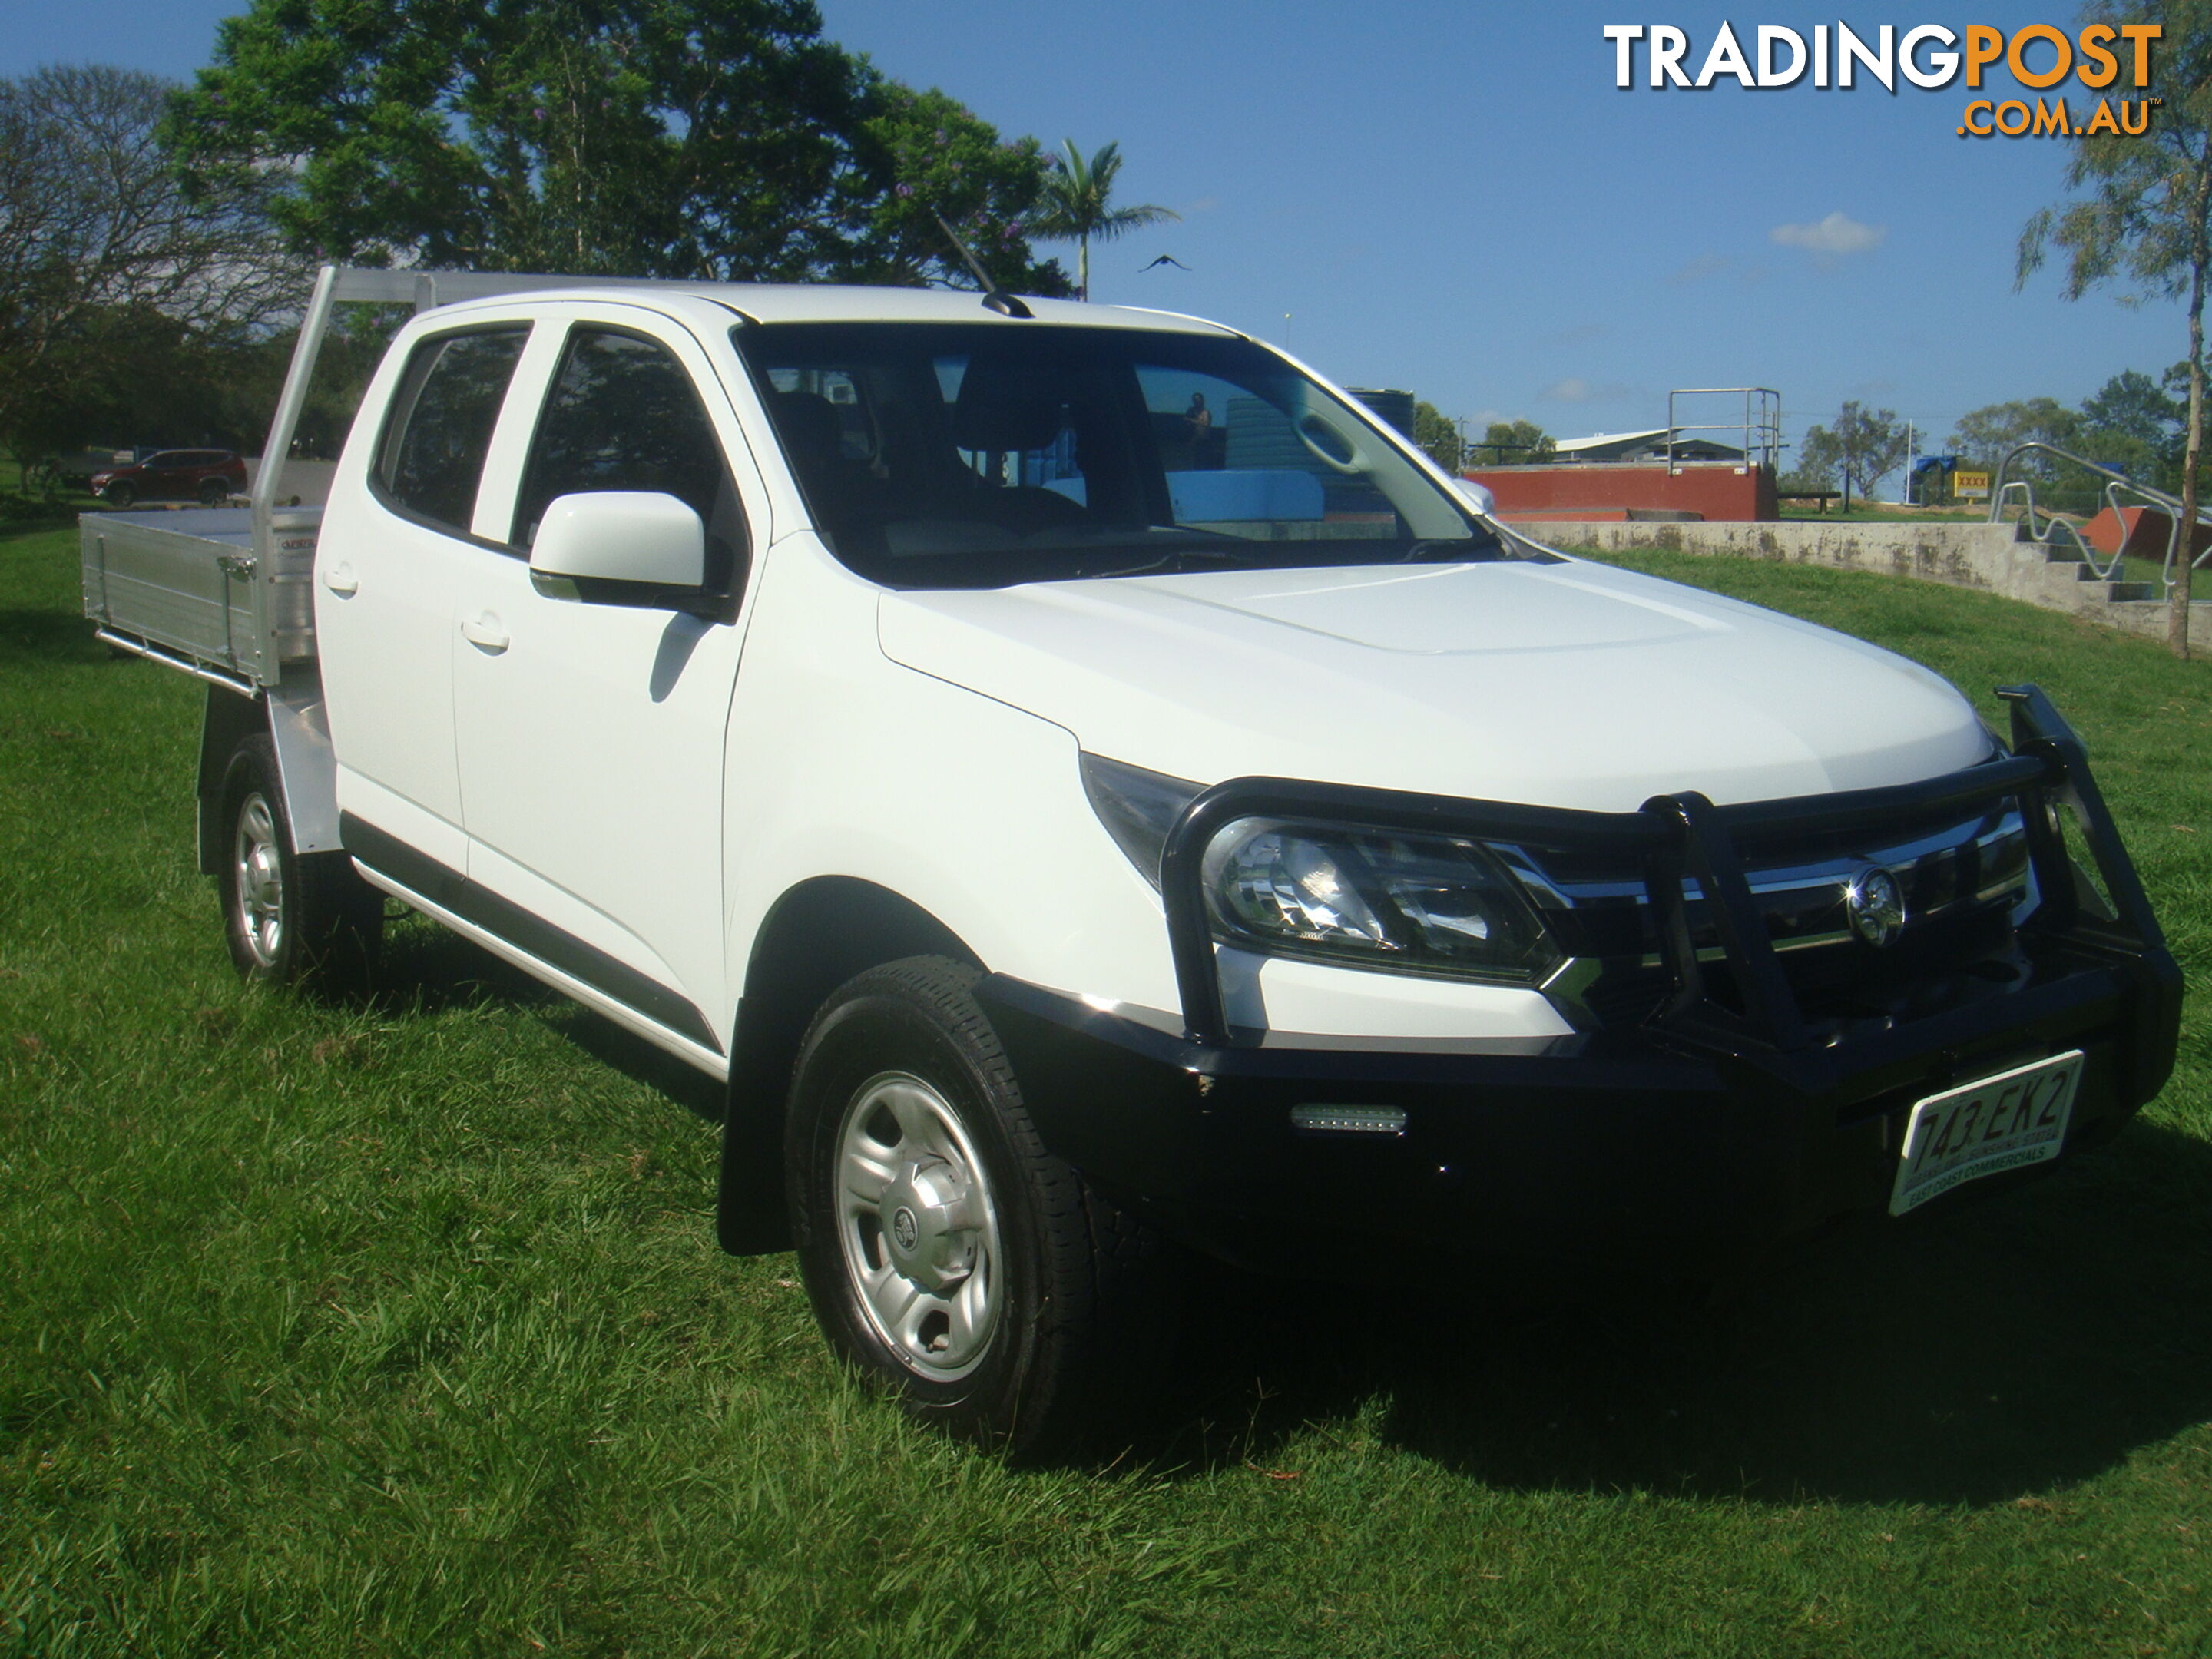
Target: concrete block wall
{"type": "Point", "coordinates": [1992, 557]}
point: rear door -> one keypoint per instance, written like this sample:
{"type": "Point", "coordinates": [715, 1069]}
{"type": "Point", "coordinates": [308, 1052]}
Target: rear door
{"type": "Point", "coordinates": [385, 570]}
{"type": "Point", "coordinates": [169, 475]}
{"type": "Point", "coordinates": [590, 735]}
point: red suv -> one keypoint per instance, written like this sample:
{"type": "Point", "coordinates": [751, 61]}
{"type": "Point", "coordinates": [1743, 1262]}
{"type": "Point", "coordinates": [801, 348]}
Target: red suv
{"type": "Point", "coordinates": [209, 477]}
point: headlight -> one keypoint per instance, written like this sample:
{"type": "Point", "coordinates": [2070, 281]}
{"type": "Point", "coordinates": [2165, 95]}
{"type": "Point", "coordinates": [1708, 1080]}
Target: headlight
{"type": "Point", "coordinates": [1374, 899]}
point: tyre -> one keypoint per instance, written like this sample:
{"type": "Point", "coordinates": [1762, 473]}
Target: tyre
{"type": "Point", "coordinates": [214, 492]}
{"type": "Point", "coordinates": [289, 918]}
{"type": "Point", "coordinates": [950, 1259]}
{"type": "Point", "coordinates": [120, 494]}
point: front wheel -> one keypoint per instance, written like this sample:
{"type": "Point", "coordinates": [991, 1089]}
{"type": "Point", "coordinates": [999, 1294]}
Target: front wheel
{"type": "Point", "coordinates": [119, 494]}
{"type": "Point", "coordinates": [950, 1259]}
{"type": "Point", "coordinates": [289, 918]}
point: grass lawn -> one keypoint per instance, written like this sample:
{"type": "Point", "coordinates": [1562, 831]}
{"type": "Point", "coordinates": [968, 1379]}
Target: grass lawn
{"type": "Point", "coordinates": [399, 1330]}
{"type": "Point", "coordinates": [16, 507]}
{"type": "Point", "coordinates": [1883, 513]}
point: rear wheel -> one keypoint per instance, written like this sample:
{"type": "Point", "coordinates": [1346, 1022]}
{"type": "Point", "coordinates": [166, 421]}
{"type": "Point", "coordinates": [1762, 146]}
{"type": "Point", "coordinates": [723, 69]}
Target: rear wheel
{"type": "Point", "coordinates": [289, 918]}
{"type": "Point", "coordinates": [214, 492]}
{"type": "Point", "coordinates": [952, 1261]}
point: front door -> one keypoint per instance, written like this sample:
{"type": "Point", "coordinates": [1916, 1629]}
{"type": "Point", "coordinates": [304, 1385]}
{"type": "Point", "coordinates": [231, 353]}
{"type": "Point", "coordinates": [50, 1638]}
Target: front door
{"type": "Point", "coordinates": [591, 735]}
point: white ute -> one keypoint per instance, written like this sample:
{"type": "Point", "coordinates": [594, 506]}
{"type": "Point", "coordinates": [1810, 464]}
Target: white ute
{"type": "Point", "coordinates": [1093, 791]}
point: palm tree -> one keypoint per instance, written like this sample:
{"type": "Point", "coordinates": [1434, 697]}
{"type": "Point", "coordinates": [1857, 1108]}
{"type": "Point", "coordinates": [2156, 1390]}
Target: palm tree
{"type": "Point", "coordinates": [1076, 192]}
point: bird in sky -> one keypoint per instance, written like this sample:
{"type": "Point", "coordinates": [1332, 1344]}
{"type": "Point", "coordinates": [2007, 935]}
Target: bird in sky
{"type": "Point", "coordinates": [1167, 260]}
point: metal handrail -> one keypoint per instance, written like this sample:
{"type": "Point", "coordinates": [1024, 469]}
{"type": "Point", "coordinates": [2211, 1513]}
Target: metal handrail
{"type": "Point", "coordinates": [1761, 424]}
{"type": "Point", "coordinates": [2117, 484]}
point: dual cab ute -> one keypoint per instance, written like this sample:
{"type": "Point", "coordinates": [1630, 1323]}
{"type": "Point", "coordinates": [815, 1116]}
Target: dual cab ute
{"type": "Point", "coordinates": [1079, 832]}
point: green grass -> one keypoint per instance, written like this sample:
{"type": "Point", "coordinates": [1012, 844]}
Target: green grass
{"type": "Point", "coordinates": [1860, 513]}
{"type": "Point", "coordinates": [399, 1330]}
{"type": "Point", "coordinates": [20, 510]}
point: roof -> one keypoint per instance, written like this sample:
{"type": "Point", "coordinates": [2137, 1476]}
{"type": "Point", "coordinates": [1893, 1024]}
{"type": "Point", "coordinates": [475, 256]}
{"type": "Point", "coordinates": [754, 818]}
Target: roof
{"type": "Point", "coordinates": [825, 302]}
{"type": "Point", "coordinates": [1607, 440]}
{"type": "Point", "coordinates": [1624, 446]}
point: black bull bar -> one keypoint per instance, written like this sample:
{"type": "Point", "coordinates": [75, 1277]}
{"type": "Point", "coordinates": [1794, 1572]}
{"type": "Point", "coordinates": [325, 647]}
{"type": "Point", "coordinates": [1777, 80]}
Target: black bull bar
{"type": "Point", "coordinates": [1684, 834]}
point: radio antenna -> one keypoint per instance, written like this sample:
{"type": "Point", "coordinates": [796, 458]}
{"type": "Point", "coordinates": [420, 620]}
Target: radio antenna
{"type": "Point", "coordinates": [1006, 304]}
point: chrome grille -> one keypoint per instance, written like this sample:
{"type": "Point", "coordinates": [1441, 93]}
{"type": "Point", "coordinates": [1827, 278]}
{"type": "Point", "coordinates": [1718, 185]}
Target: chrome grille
{"type": "Point", "coordinates": [1960, 880]}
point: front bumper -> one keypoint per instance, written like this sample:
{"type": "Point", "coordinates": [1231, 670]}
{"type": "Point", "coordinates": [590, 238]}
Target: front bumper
{"type": "Point", "coordinates": [1722, 1123]}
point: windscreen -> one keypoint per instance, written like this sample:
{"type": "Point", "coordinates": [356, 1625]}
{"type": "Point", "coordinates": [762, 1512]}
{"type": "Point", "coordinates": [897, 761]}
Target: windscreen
{"type": "Point", "coordinates": [966, 455]}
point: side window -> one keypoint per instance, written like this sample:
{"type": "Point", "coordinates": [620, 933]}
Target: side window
{"type": "Point", "coordinates": [441, 425]}
{"type": "Point", "coordinates": [622, 414]}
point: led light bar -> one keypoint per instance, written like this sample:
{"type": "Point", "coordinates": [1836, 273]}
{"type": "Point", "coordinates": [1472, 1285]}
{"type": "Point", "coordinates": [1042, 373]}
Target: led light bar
{"type": "Point", "coordinates": [1350, 1120]}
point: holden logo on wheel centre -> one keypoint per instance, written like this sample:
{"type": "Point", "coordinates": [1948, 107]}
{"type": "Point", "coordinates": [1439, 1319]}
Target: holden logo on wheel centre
{"type": "Point", "coordinates": [1876, 906]}
{"type": "Point", "coordinates": [905, 1230]}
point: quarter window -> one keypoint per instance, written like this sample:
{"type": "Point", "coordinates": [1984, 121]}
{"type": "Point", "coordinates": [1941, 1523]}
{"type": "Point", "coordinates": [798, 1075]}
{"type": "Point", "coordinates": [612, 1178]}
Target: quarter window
{"type": "Point", "coordinates": [434, 452]}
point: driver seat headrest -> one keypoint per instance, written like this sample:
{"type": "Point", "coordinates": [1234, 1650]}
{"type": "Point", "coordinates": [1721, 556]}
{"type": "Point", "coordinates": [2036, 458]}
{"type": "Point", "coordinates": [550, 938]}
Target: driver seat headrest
{"type": "Point", "coordinates": [1007, 403]}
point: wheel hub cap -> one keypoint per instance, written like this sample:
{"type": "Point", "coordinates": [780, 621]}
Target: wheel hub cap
{"type": "Point", "coordinates": [926, 1220]}
{"type": "Point", "coordinates": [917, 1227]}
{"type": "Point", "coordinates": [260, 881]}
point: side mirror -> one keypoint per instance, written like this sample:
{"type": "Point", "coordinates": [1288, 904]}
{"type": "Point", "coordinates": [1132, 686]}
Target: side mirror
{"type": "Point", "coordinates": [1477, 496]}
{"type": "Point", "coordinates": [641, 538]}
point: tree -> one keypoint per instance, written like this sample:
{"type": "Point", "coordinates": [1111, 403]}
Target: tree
{"type": "Point", "coordinates": [135, 377]}
{"type": "Point", "coordinates": [2131, 424]}
{"type": "Point", "coordinates": [108, 268]}
{"type": "Point", "coordinates": [2131, 403]}
{"type": "Point", "coordinates": [1986, 435]}
{"type": "Point", "coordinates": [685, 138]}
{"type": "Point", "coordinates": [941, 158]}
{"type": "Point", "coordinates": [1813, 475]}
{"type": "Point", "coordinates": [2144, 218]}
{"type": "Point", "coordinates": [1076, 196]}
{"type": "Point", "coordinates": [1437, 433]}
{"type": "Point", "coordinates": [1862, 448]}
{"type": "Point", "coordinates": [1515, 443]}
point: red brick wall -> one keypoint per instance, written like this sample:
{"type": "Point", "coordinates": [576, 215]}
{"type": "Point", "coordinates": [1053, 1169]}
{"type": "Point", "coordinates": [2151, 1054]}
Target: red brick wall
{"type": "Point", "coordinates": [1715, 490]}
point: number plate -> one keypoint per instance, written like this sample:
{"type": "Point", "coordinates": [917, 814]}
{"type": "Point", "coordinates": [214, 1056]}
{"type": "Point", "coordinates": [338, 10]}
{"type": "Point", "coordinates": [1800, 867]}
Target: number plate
{"type": "Point", "coordinates": [2002, 1122]}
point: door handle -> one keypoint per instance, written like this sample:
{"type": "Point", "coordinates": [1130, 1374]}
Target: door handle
{"type": "Point", "coordinates": [341, 580]}
{"type": "Point", "coordinates": [485, 633]}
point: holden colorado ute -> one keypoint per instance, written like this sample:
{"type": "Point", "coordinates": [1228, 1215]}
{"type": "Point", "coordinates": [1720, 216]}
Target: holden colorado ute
{"type": "Point", "coordinates": [1079, 832]}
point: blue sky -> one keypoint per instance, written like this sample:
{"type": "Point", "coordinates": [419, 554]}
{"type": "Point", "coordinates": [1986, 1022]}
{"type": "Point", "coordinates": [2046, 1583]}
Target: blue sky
{"type": "Point", "coordinates": [1454, 198]}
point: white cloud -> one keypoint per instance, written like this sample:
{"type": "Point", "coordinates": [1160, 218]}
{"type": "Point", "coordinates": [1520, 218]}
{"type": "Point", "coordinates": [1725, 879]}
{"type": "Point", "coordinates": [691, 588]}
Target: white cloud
{"type": "Point", "coordinates": [1705, 266]}
{"type": "Point", "coordinates": [1832, 236]}
{"type": "Point", "coordinates": [1575, 390]}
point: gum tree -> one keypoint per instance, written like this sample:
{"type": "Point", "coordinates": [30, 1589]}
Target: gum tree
{"type": "Point", "coordinates": [1863, 447]}
{"type": "Point", "coordinates": [111, 274]}
{"type": "Point", "coordinates": [2138, 215]}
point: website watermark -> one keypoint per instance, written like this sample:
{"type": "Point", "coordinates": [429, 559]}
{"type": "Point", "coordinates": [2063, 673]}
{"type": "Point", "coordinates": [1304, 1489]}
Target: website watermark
{"type": "Point", "coordinates": [2111, 61]}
